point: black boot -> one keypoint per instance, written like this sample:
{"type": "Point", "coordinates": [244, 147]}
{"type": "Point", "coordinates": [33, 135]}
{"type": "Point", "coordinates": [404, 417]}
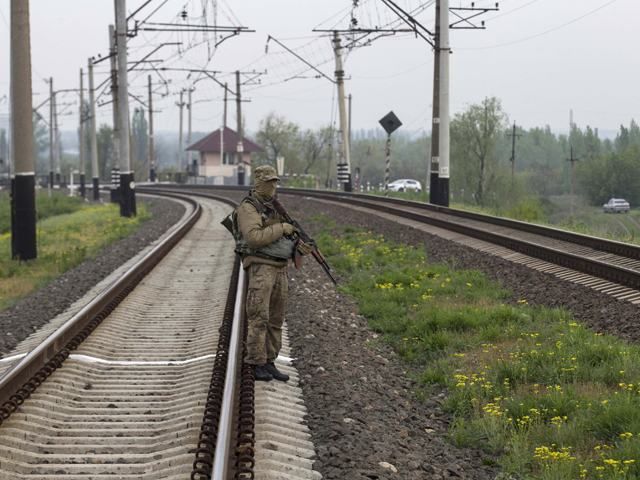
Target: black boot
{"type": "Point", "coordinates": [275, 373]}
{"type": "Point", "coordinates": [261, 372]}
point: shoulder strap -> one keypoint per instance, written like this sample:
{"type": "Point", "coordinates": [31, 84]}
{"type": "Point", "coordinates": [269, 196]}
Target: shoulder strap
{"type": "Point", "coordinates": [255, 202]}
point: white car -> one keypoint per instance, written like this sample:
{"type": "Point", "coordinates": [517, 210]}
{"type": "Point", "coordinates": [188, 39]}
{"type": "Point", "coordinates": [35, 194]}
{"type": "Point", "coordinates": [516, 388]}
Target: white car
{"type": "Point", "coordinates": [616, 205]}
{"type": "Point", "coordinates": [405, 185]}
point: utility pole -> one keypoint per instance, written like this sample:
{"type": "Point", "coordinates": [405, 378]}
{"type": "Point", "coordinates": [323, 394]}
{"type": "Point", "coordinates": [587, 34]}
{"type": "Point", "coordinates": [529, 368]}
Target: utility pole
{"type": "Point", "coordinates": [95, 174]}
{"type": "Point", "coordinates": [81, 147]}
{"type": "Point", "coordinates": [240, 145]}
{"type": "Point", "coordinates": [152, 163]}
{"type": "Point", "coordinates": [573, 161]}
{"type": "Point", "coordinates": [180, 146]}
{"type": "Point", "coordinates": [115, 192]}
{"type": "Point", "coordinates": [23, 196]}
{"type": "Point", "coordinates": [224, 111]}
{"type": "Point", "coordinates": [127, 184]}
{"type": "Point", "coordinates": [346, 156]}
{"type": "Point", "coordinates": [224, 125]}
{"type": "Point", "coordinates": [51, 133]}
{"type": "Point", "coordinates": [349, 116]}
{"type": "Point", "coordinates": [443, 87]}
{"type": "Point", "coordinates": [435, 108]}
{"type": "Point", "coordinates": [189, 157]}
{"type": "Point", "coordinates": [56, 139]}
{"type": "Point", "coordinates": [513, 136]}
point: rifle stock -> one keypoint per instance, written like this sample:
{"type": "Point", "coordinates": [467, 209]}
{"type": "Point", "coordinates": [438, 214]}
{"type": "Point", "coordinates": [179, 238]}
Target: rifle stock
{"type": "Point", "coordinates": [315, 252]}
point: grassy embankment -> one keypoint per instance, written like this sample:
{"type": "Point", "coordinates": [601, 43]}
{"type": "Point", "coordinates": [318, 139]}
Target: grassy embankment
{"type": "Point", "coordinates": [69, 231]}
{"type": "Point", "coordinates": [547, 397]}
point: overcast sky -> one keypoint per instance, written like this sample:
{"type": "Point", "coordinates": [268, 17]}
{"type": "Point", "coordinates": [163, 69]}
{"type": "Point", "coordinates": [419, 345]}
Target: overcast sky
{"type": "Point", "coordinates": [540, 57]}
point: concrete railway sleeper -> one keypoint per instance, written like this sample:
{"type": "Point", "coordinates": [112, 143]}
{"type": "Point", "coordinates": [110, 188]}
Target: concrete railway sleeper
{"type": "Point", "coordinates": [126, 384]}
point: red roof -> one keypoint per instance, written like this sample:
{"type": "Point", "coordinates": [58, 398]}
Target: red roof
{"type": "Point", "coordinates": [211, 143]}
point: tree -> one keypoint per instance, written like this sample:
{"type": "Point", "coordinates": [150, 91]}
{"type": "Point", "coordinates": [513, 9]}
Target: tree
{"type": "Point", "coordinates": [40, 143]}
{"type": "Point", "coordinates": [104, 138]}
{"type": "Point", "coordinates": [140, 143]}
{"type": "Point", "coordinates": [474, 135]}
{"type": "Point", "coordinates": [315, 144]}
{"type": "Point", "coordinates": [279, 137]}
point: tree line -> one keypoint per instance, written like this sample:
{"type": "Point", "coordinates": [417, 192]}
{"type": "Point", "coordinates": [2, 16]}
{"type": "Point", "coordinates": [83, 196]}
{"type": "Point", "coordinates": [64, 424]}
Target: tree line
{"type": "Point", "coordinates": [481, 152]}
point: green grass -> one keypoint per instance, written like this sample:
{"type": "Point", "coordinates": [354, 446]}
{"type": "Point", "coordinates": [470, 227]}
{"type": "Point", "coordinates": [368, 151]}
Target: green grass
{"type": "Point", "coordinates": [46, 207]}
{"type": "Point", "coordinates": [530, 386]}
{"type": "Point", "coordinates": [63, 241]}
{"type": "Point", "coordinates": [584, 219]}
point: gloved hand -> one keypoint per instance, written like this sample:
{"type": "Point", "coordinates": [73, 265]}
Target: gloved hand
{"type": "Point", "coordinates": [304, 248]}
{"type": "Point", "coordinates": [288, 229]}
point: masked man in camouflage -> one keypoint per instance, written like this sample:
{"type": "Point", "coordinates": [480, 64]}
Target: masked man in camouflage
{"type": "Point", "coordinates": [266, 244]}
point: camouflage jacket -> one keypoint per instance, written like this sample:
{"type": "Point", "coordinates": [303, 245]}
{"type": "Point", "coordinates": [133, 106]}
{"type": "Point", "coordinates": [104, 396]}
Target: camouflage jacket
{"type": "Point", "coordinates": [260, 234]}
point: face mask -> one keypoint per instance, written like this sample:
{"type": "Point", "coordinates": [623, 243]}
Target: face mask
{"type": "Point", "coordinates": [266, 189]}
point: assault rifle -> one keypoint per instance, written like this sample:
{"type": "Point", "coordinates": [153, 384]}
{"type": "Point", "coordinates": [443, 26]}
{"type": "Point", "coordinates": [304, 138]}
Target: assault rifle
{"type": "Point", "coordinates": [302, 235]}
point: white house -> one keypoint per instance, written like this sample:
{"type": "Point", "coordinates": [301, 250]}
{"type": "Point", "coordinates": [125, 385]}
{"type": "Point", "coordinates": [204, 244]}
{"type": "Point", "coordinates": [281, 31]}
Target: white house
{"type": "Point", "coordinates": [219, 162]}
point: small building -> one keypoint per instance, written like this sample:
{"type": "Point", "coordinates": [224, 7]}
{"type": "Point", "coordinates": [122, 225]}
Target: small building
{"type": "Point", "coordinates": [228, 167]}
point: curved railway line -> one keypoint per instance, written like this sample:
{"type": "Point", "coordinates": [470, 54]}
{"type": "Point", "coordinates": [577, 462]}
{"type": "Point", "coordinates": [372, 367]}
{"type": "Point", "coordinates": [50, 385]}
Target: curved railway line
{"type": "Point", "coordinates": [146, 381]}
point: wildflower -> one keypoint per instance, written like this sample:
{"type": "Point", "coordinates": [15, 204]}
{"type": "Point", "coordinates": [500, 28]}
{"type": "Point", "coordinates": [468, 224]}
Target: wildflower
{"type": "Point", "coordinates": [626, 435]}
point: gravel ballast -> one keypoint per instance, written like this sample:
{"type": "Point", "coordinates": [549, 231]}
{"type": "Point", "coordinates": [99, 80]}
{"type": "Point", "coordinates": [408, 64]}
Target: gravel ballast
{"type": "Point", "coordinates": [36, 309]}
{"type": "Point", "coordinates": [365, 419]}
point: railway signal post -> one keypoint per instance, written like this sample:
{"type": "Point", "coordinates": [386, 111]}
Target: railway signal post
{"type": "Point", "coordinates": [390, 123]}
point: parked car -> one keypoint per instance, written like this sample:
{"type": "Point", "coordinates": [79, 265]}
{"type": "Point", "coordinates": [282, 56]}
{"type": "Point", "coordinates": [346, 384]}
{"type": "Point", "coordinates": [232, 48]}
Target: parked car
{"type": "Point", "coordinates": [616, 205]}
{"type": "Point", "coordinates": [405, 185]}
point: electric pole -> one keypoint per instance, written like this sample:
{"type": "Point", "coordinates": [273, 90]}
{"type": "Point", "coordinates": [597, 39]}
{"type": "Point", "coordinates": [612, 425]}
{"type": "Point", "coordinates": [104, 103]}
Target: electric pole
{"type": "Point", "coordinates": [224, 111]}
{"type": "Point", "coordinates": [95, 174]}
{"type": "Point", "coordinates": [443, 87]}
{"type": "Point", "coordinates": [240, 145]}
{"type": "Point", "coordinates": [573, 161]}
{"type": "Point", "coordinates": [23, 197]}
{"type": "Point", "coordinates": [56, 139]}
{"type": "Point", "coordinates": [81, 147]}
{"type": "Point", "coordinates": [152, 163]}
{"type": "Point", "coordinates": [224, 125]}
{"type": "Point", "coordinates": [115, 192]}
{"type": "Point", "coordinates": [127, 185]}
{"type": "Point", "coordinates": [180, 146]}
{"type": "Point", "coordinates": [435, 108]}
{"type": "Point", "coordinates": [189, 109]}
{"type": "Point", "coordinates": [51, 133]}
{"type": "Point", "coordinates": [513, 136]}
{"type": "Point", "coordinates": [346, 156]}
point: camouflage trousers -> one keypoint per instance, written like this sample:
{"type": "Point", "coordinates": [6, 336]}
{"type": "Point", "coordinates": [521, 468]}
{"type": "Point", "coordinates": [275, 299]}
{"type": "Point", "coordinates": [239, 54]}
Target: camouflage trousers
{"type": "Point", "coordinates": [265, 305]}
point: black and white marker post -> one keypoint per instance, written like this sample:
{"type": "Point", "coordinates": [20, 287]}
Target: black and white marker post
{"type": "Point", "coordinates": [81, 143]}
{"type": "Point", "coordinates": [93, 139]}
{"type": "Point", "coordinates": [390, 123]}
{"type": "Point", "coordinates": [23, 198]}
{"type": "Point", "coordinates": [127, 183]}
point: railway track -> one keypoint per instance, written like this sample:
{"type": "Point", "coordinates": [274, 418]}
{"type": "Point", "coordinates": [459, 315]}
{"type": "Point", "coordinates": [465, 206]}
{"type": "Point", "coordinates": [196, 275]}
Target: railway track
{"type": "Point", "coordinates": [605, 265]}
{"type": "Point", "coordinates": [124, 387]}
{"type": "Point", "coordinates": [138, 399]}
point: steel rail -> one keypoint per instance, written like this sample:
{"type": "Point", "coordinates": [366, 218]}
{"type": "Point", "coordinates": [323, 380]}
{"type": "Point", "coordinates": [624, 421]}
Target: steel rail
{"type": "Point", "coordinates": [615, 273]}
{"type": "Point", "coordinates": [225, 428]}
{"type": "Point", "coordinates": [23, 379]}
